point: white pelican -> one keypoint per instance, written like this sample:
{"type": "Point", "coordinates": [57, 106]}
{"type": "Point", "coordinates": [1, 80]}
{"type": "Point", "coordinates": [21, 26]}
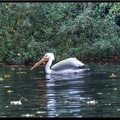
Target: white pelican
{"type": "Point", "coordinates": [69, 65]}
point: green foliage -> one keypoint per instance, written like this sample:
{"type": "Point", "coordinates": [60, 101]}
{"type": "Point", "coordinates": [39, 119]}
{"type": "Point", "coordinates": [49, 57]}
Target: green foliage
{"type": "Point", "coordinates": [68, 29]}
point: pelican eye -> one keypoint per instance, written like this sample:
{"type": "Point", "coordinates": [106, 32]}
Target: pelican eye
{"type": "Point", "coordinates": [46, 57]}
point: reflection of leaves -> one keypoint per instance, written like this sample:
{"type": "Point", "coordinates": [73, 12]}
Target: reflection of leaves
{"type": "Point", "coordinates": [1, 79]}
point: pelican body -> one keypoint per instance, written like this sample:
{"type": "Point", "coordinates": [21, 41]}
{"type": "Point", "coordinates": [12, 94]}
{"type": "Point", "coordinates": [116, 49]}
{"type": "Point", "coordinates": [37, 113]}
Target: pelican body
{"type": "Point", "coordinates": [69, 65]}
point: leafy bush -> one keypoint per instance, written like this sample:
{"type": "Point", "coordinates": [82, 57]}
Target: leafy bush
{"type": "Point", "coordinates": [29, 30]}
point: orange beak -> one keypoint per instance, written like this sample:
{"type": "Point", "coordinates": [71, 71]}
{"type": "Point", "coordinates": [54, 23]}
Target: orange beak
{"type": "Point", "coordinates": [44, 59]}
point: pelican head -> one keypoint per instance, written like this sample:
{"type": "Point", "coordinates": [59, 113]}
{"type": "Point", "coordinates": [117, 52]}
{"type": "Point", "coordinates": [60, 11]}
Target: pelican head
{"type": "Point", "coordinates": [49, 56]}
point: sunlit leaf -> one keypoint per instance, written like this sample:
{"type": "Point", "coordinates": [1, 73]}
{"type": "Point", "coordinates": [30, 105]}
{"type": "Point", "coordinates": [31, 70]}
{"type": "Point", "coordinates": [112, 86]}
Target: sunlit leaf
{"type": "Point", "coordinates": [6, 6]}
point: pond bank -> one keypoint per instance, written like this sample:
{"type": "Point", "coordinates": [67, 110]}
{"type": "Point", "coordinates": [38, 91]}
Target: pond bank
{"type": "Point", "coordinates": [112, 59]}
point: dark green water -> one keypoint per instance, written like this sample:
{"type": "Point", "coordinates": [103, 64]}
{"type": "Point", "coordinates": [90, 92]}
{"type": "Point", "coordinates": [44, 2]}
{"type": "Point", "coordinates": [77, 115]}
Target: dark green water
{"type": "Point", "coordinates": [92, 94]}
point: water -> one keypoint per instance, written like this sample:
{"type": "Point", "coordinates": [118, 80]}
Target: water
{"type": "Point", "coordinates": [93, 94]}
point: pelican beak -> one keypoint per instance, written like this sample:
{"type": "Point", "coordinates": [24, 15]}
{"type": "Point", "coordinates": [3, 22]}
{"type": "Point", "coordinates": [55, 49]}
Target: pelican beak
{"type": "Point", "coordinates": [44, 59]}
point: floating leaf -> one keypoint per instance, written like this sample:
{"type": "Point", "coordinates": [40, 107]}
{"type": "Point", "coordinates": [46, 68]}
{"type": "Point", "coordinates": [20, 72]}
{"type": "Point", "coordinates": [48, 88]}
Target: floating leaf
{"type": "Point", "coordinates": [12, 68]}
{"type": "Point", "coordinates": [92, 102]}
{"type": "Point", "coordinates": [112, 76]}
{"type": "Point", "coordinates": [7, 76]}
{"type": "Point", "coordinates": [1, 79]}
{"type": "Point", "coordinates": [6, 86]}
{"type": "Point", "coordinates": [9, 91]}
{"type": "Point", "coordinates": [38, 112]}
{"type": "Point", "coordinates": [16, 102]}
{"type": "Point", "coordinates": [21, 72]}
{"type": "Point", "coordinates": [28, 115]}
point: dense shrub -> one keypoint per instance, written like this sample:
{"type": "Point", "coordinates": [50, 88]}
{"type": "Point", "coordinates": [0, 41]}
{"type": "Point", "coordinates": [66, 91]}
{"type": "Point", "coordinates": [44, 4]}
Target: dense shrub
{"type": "Point", "coordinates": [68, 29]}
